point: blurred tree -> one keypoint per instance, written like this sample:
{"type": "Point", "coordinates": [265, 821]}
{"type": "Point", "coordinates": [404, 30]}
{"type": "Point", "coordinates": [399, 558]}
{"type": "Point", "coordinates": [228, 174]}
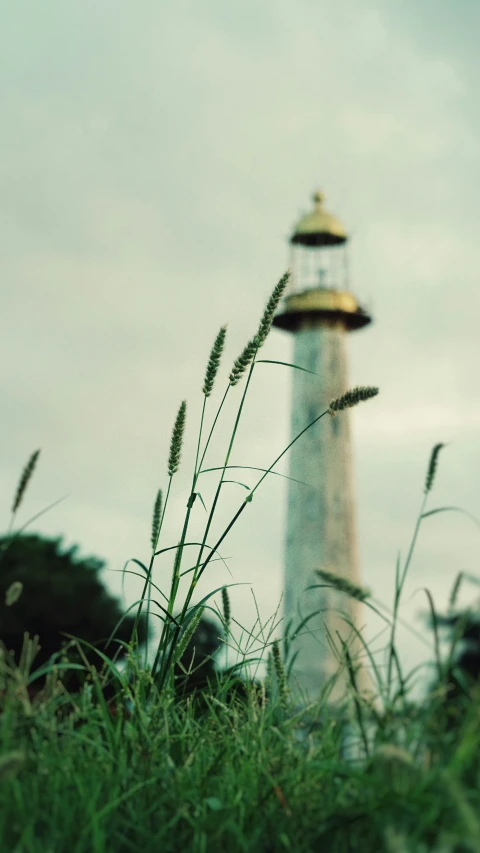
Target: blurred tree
{"type": "Point", "coordinates": [461, 681]}
{"type": "Point", "coordinates": [46, 590]}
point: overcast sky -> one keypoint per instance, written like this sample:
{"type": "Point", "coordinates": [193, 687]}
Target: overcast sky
{"type": "Point", "coordinates": [154, 158]}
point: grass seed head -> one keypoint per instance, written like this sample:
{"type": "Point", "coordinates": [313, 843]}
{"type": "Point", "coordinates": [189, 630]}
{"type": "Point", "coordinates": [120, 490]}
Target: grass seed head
{"type": "Point", "coordinates": [226, 607]}
{"type": "Point", "coordinates": [188, 634]}
{"type": "Point", "coordinates": [280, 671]}
{"type": "Point", "coordinates": [157, 516]}
{"type": "Point", "coordinates": [241, 363]}
{"type": "Point", "coordinates": [351, 398]}
{"type": "Point", "coordinates": [13, 593]}
{"type": "Point", "coordinates": [454, 593]}
{"type": "Point", "coordinates": [344, 585]}
{"type": "Point", "coordinates": [270, 308]}
{"type": "Point", "coordinates": [177, 438]}
{"type": "Point", "coordinates": [24, 479]}
{"type": "Point", "coordinates": [214, 361]}
{"type": "Point", "coordinates": [432, 467]}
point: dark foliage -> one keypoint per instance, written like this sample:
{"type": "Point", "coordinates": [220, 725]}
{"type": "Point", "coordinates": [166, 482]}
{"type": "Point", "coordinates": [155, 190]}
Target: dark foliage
{"type": "Point", "coordinates": [61, 593]}
{"type": "Point", "coordinates": [461, 680]}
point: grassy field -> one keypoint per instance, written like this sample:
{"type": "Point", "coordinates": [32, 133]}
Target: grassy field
{"type": "Point", "coordinates": [141, 770]}
{"type": "Point", "coordinates": [246, 776]}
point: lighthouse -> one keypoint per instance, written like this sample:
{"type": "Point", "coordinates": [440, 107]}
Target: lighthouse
{"type": "Point", "coordinates": [318, 310]}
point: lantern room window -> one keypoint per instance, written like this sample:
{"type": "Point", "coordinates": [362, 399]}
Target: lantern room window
{"type": "Point", "coordinates": [319, 257]}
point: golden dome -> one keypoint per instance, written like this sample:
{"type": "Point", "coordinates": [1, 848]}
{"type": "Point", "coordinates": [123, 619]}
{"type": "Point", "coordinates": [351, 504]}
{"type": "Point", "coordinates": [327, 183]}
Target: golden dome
{"type": "Point", "coordinates": [319, 228]}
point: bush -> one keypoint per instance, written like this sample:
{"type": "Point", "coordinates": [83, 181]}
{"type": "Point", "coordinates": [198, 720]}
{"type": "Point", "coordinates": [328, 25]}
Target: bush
{"type": "Point", "coordinates": [59, 593]}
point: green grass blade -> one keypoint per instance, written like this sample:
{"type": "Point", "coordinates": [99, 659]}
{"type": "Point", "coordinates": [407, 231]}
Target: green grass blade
{"type": "Point", "coordinates": [285, 364]}
{"type": "Point", "coordinates": [254, 468]}
{"type": "Point", "coordinates": [453, 509]}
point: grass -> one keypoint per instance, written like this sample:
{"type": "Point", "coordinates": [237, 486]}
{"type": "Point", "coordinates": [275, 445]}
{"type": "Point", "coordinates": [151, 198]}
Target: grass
{"type": "Point", "coordinates": [241, 775]}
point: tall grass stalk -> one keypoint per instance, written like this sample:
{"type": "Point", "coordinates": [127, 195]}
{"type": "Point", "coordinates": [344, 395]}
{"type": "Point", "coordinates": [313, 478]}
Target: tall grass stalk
{"type": "Point", "coordinates": [159, 514]}
{"type": "Point", "coordinates": [401, 576]}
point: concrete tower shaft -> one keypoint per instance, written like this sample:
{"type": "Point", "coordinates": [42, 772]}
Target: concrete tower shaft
{"type": "Point", "coordinates": [321, 520]}
{"type": "Point", "coordinates": [321, 528]}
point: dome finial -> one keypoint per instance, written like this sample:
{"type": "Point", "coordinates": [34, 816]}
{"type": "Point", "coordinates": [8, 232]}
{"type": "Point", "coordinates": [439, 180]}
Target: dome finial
{"type": "Point", "coordinates": [319, 228]}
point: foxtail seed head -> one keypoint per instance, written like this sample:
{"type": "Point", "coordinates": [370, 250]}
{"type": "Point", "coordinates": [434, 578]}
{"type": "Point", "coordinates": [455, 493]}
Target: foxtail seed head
{"type": "Point", "coordinates": [432, 467]}
{"type": "Point", "coordinates": [351, 398]}
{"type": "Point", "coordinates": [177, 438]}
{"type": "Point", "coordinates": [13, 593]}
{"type": "Point", "coordinates": [214, 361]}
{"type": "Point", "coordinates": [241, 363]}
{"type": "Point", "coordinates": [250, 351]}
{"type": "Point", "coordinates": [270, 308]}
{"type": "Point", "coordinates": [157, 516]}
{"type": "Point", "coordinates": [24, 479]}
{"type": "Point", "coordinates": [343, 585]}
{"type": "Point", "coordinates": [226, 607]}
{"type": "Point", "coordinates": [188, 634]}
{"type": "Point", "coordinates": [453, 595]}
{"type": "Point", "coordinates": [280, 671]}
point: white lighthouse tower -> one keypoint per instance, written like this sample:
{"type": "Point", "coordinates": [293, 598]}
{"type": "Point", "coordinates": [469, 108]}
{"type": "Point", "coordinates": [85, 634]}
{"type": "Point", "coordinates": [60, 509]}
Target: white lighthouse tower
{"type": "Point", "coordinates": [319, 309]}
